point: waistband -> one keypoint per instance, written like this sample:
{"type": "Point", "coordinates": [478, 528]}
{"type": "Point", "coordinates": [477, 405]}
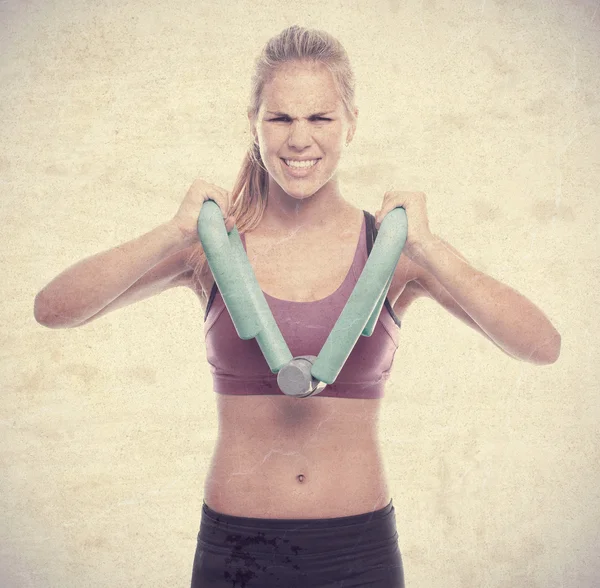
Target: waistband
{"type": "Point", "coordinates": [299, 537]}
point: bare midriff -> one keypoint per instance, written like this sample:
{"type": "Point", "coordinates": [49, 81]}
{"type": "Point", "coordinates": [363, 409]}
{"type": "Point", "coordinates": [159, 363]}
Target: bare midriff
{"type": "Point", "coordinates": [296, 458]}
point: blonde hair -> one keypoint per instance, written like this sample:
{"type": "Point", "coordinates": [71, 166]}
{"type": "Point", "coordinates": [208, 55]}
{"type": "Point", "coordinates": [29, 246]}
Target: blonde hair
{"type": "Point", "coordinates": [250, 192]}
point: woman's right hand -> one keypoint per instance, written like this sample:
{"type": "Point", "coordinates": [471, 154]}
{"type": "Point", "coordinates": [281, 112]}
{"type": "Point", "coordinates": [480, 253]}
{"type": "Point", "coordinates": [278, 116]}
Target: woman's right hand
{"type": "Point", "coordinates": [200, 191]}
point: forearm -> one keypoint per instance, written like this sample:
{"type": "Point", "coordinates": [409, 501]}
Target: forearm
{"type": "Point", "coordinates": [86, 287]}
{"type": "Point", "coordinates": [513, 322]}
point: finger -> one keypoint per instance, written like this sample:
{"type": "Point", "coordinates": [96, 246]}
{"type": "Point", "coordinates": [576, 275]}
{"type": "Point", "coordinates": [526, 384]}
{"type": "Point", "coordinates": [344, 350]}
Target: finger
{"type": "Point", "coordinates": [224, 195]}
{"type": "Point", "coordinates": [220, 198]}
{"type": "Point", "coordinates": [381, 213]}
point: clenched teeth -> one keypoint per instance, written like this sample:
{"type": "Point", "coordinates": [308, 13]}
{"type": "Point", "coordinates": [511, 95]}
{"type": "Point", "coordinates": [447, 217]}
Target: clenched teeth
{"type": "Point", "coordinates": [295, 163]}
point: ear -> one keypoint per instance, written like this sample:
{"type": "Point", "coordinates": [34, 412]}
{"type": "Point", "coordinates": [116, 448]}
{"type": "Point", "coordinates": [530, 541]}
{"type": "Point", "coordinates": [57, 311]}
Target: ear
{"type": "Point", "coordinates": [352, 126]}
{"type": "Point", "coordinates": [252, 127]}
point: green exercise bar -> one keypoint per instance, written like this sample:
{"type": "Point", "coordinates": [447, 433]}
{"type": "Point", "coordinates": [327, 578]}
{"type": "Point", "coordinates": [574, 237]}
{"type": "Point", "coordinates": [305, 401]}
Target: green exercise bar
{"type": "Point", "coordinates": [305, 375]}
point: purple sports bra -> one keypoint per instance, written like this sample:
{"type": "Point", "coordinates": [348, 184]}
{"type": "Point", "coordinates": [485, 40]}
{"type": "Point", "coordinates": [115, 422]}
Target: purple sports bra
{"type": "Point", "coordinates": [238, 366]}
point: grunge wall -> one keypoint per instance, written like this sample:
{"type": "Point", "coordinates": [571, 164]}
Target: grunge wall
{"type": "Point", "coordinates": [110, 109]}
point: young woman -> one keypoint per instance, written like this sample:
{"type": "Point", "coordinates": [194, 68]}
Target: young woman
{"type": "Point", "coordinates": [296, 494]}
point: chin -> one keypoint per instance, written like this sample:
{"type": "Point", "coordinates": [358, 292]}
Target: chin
{"type": "Point", "coordinates": [298, 192]}
{"type": "Point", "coordinates": [304, 194]}
{"type": "Point", "coordinates": [302, 191]}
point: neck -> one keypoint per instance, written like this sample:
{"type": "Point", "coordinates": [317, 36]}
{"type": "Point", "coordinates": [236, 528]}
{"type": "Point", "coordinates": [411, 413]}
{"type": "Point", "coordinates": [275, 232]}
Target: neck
{"type": "Point", "coordinates": [289, 214]}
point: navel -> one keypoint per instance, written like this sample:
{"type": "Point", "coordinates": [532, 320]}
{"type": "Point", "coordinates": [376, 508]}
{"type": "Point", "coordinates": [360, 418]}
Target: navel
{"type": "Point", "coordinates": [300, 478]}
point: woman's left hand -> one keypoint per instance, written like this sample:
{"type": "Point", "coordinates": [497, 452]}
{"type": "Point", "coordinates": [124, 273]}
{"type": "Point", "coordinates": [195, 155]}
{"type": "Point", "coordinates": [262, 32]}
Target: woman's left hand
{"type": "Point", "coordinates": [414, 203]}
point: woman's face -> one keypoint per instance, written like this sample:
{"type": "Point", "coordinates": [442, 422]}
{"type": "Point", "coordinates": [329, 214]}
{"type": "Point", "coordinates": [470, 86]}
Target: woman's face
{"type": "Point", "coordinates": [301, 128]}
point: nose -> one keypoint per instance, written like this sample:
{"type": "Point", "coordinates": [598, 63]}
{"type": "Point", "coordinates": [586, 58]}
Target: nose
{"type": "Point", "coordinates": [299, 136]}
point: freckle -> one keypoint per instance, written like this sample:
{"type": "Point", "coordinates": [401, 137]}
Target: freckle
{"type": "Point", "coordinates": [300, 477]}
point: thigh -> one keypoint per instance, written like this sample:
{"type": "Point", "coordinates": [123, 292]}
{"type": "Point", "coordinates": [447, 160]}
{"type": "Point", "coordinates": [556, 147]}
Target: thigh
{"type": "Point", "coordinates": [208, 570]}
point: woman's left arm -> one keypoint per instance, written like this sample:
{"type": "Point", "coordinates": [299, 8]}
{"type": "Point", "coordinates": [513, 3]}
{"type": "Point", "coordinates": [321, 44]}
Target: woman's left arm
{"type": "Point", "coordinates": [506, 317]}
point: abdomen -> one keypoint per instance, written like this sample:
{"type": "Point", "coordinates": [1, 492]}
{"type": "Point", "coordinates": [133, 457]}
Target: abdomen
{"type": "Point", "coordinates": [281, 457]}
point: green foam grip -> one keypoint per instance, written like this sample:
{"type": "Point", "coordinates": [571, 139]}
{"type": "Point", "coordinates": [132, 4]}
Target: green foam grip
{"type": "Point", "coordinates": [364, 304]}
{"type": "Point", "coordinates": [239, 288]}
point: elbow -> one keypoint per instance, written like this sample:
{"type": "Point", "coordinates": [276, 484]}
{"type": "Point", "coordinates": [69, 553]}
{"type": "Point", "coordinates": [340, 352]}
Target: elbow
{"type": "Point", "coordinates": [42, 313]}
{"type": "Point", "coordinates": [555, 353]}
{"type": "Point", "coordinates": [47, 317]}
{"type": "Point", "coordinates": [549, 351]}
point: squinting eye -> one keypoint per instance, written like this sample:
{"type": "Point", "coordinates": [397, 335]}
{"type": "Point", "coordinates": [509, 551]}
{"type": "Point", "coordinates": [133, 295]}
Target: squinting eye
{"type": "Point", "coordinates": [285, 119]}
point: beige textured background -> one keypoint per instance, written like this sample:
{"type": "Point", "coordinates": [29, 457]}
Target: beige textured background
{"type": "Point", "coordinates": [111, 108]}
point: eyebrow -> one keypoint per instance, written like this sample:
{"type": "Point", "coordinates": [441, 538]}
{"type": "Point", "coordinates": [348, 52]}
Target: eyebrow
{"type": "Point", "coordinates": [310, 116]}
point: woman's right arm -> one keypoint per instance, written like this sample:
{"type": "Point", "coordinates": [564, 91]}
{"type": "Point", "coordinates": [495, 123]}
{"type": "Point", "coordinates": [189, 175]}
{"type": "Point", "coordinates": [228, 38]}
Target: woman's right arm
{"type": "Point", "coordinates": [87, 287]}
{"type": "Point", "coordinates": [140, 268]}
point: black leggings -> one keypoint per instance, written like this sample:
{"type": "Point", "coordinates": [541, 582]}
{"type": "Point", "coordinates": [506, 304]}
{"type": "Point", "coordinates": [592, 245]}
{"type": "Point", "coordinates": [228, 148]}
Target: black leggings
{"type": "Point", "coordinates": [343, 552]}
